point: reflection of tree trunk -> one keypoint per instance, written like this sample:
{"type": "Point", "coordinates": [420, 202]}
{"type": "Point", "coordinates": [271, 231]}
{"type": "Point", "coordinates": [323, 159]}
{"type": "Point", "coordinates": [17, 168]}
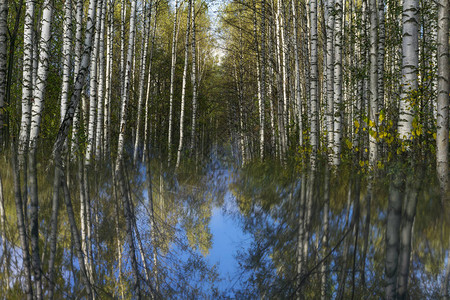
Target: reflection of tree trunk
{"type": "Point", "coordinates": [138, 236]}
{"type": "Point", "coordinates": [355, 222]}
{"type": "Point", "coordinates": [3, 233]}
{"type": "Point", "coordinates": [21, 227]}
{"type": "Point", "coordinates": [88, 223]}
{"type": "Point", "coordinates": [301, 229]}
{"type": "Point", "coordinates": [308, 211]}
{"type": "Point", "coordinates": [75, 235]}
{"type": "Point", "coordinates": [344, 262]}
{"type": "Point", "coordinates": [366, 229]}
{"type": "Point", "coordinates": [409, 213]}
{"type": "Point", "coordinates": [128, 228]}
{"type": "Point", "coordinates": [54, 232]}
{"type": "Point", "coordinates": [444, 290]}
{"type": "Point", "coordinates": [152, 219]}
{"type": "Point", "coordinates": [119, 244]}
{"type": "Point", "coordinates": [393, 234]}
{"type": "Point", "coordinates": [34, 223]}
{"type": "Point", "coordinates": [324, 267]}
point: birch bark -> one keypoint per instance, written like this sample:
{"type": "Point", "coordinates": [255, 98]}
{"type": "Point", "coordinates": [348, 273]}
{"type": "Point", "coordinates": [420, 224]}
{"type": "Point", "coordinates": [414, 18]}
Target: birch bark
{"type": "Point", "coordinates": [172, 79]}
{"type": "Point", "coordinates": [99, 138]}
{"type": "Point", "coordinates": [76, 65]}
{"type": "Point", "coordinates": [27, 78]}
{"type": "Point", "coordinates": [183, 85]}
{"type": "Point", "coordinates": [3, 57]}
{"type": "Point", "coordinates": [93, 84]}
{"type": "Point", "coordinates": [147, 14]}
{"type": "Point", "coordinates": [410, 62]}
{"type": "Point", "coordinates": [337, 82]}
{"type": "Point", "coordinates": [443, 95]}
{"type": "Point", "coordinates": [193, 79]}
{"type": "Point", "coordinates": [373, 111]}
{"type": "Point", "coordinates": [314, 125]}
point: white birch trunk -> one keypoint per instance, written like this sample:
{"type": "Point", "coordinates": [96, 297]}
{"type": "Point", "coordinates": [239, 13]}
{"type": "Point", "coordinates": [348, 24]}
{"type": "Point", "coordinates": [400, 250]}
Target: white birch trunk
{"type": "Point", "coordinates": [126, 85]}
{"type": "Point", "coordinates": [27, 78]}
{"type": "Point", "coordinates": [410, 62]}
{"type": "Point", "coordinates": [149, 81]}
{"type": "Point", "coordinates": [80, 79]}
{"type": "Point", "coordinates": [373, 105]}
{"type": "Point", "coordinates": [36, 113]}
{"type": "Point", "coordinates": [67, 41]}
{"type": "Point", "coordinates": [263, 80]}
{"type": "Point", "coordinates": [297, 75]}
{"type": "Point", "coordinates": [42, 71]}
{"type": "Point", "coordinates": [101, 85]}
{"type": "Point", "coordinates": [381, 51]}
{"type": "Point", "coordinates": [77, 62]}
{"type": "Point", "coordinates": [330, 74]}
{"type": "Point", "coordinates": [443, 95]}
{"type": "Point", "coordinates": [337, 82]}
{"type": "Point", "coordinates": [172, 79]}
{"type": "Point", "coordinates": [193, 80]}
{"type": "Point", "coordinates": [123, 13]}
{"type": "Point", "coordinates": [3, 40]}
{"type": "Point", "coordinates": [93, 84]}
{"type": "Point", "coordinates": [108, 83]}
{"type": "Point", "coordinates": [183, 85]}
{"type": "Point", "coordinates": [147, 14]}
{"type": "Point", "coordinates": [314, 127]}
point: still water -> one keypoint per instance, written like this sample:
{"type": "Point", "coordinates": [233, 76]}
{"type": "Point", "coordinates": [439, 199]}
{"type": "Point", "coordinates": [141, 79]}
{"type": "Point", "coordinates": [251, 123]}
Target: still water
{"type": "Point", "coordinates": [218, 230]}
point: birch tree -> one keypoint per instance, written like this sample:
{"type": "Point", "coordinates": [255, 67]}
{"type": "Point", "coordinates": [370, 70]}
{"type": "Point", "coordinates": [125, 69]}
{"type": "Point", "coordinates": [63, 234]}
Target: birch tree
{"type": "Point", "coordinates": [27, 86]}
{"type": "Point", "coordinates": [410, 62]}
{"type": "Point", "coordinates": [183, 85]}
{"type": "Point", "coordinates": [26, 260]}
{"type": "Point", "coordinates": [330, 74]}
{"type": "Point", "coordinates": [108, 83]}
{"type": "Point", "coordinates": [36, 116]}
{"type": "Point", "coordinates": [76, 67]}
{"type": "Point", "coordinates": [337, 76]}
{"type": "Point", "coordinates": [143, 69]}
{"type": "Point", "coordinates": [373, 111]}
{"type": "Point", "coordinates": [149, 81]}
{"type": "Point", "coordinates": [101, 84]}
{"type": "Point", "coordinates": [443, 94]}
{"type": "Point", "coordinates": [120, 150]}
{"type": "Point", "coordinates": [172, 79]}
{"type": "Point", "coordinates": [93, 84]}
{"type": "Point", "coordinates": [3, 58]}
{"type": "Point", "coordinates": [193, 78]}
{"type": "Point", "coordinates": [314, 84]}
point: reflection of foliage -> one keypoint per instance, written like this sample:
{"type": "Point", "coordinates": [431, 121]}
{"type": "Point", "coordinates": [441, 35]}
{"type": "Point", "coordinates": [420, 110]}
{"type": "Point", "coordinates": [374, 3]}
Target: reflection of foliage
{"type": "Point", "coordinates": [269, 206]}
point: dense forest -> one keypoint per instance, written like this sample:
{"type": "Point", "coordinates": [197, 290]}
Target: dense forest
{"type": "Point", "coordinates": [319, 127]}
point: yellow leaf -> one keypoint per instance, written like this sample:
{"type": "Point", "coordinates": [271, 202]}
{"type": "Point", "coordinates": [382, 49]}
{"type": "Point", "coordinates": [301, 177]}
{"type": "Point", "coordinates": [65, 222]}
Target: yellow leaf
{"type": "Point", "coordinates": [356, 124]}
{"type": "Point", "coordinates": [371, 123]}
{"type": "Point", "coordinates": [434, 135]}
{"type": "Point", "coordinates": [349, 144]}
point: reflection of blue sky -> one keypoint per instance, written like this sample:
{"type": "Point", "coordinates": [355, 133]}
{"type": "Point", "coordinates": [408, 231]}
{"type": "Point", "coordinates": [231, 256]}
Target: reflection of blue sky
{"type": "Point", "coordinates": [228, 238]}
